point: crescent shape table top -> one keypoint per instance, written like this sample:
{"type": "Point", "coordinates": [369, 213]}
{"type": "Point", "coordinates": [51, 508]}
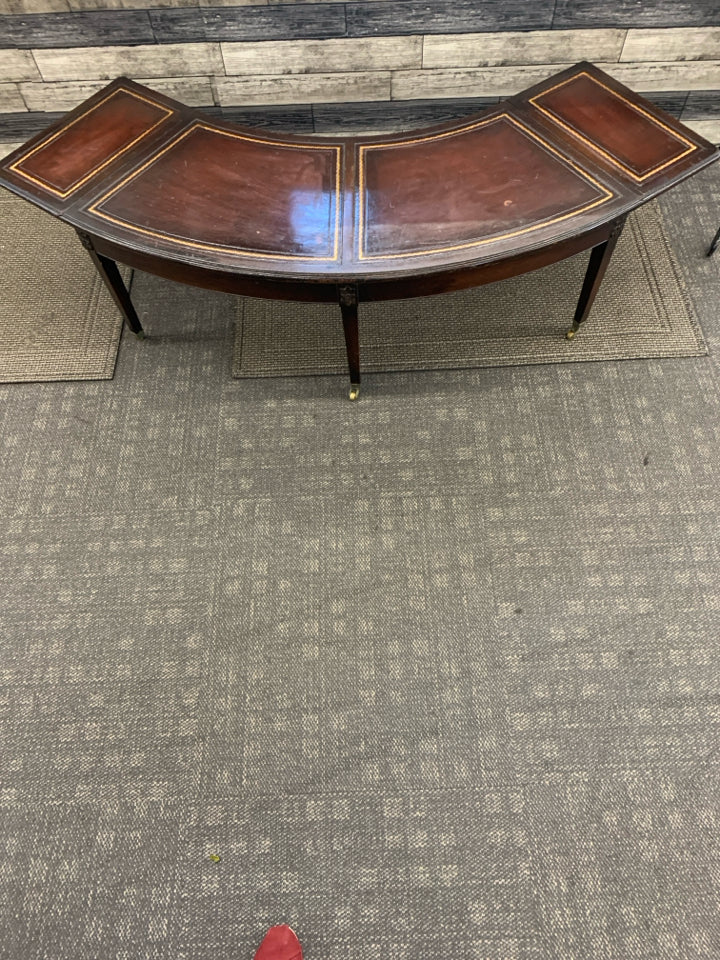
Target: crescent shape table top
{"type": "Point", "coordinates": [146, 173]}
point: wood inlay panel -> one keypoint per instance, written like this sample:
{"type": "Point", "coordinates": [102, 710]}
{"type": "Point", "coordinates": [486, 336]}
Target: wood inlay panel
{"type": "Point", "coordinates": [96, 138]}
{"type": "Point", "coordinates": [624, 133]}
{"type": "Point", "coordinates": [235, 207]}
{"type": "Point", "coordinates": [410, 205]}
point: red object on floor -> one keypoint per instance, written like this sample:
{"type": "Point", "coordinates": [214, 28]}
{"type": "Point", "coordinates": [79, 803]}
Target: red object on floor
{"type": "Point", "coordinates": [280, 943]}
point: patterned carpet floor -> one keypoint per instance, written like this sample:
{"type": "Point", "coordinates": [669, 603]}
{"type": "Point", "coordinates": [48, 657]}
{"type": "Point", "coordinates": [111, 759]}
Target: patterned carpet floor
{"type": "Point", "coordinates": [433, 675]}
{"type": "Point", "coordinates": [57, 320]}
{"type": "Point", "coordinates": [641, 310]}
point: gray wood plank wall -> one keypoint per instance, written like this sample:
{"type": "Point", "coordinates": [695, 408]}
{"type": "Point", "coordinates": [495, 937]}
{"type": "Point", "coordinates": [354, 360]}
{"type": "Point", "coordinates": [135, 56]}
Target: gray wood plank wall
{"type": "Point", "coordinates": [365, 64]}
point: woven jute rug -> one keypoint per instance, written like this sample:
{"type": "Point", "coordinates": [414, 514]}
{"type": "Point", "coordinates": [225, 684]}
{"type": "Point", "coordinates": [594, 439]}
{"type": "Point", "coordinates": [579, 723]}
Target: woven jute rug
{"type": "Point", "coordinates": [57, 320]}
{"type": "Point", "coordinates": [642, 310]}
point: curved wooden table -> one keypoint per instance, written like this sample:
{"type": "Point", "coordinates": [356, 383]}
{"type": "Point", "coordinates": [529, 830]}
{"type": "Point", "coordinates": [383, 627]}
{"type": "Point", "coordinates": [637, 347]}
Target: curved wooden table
{"type": "Point", "coordinates": [158, 186]}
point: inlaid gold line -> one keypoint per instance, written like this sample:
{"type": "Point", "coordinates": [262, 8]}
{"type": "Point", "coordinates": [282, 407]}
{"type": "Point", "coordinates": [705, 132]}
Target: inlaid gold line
{"type": "Point", "coordinates": [363, 255]}
{"type": "Point", "coordinates": [63, 194]}
{"type": "Point", "coordinates": [605, 153]}
{"type": "Point", "coordinates": [199, 245]}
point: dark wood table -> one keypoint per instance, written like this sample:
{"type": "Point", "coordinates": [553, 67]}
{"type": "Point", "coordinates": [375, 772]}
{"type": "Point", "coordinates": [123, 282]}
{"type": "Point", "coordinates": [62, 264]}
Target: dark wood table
{"type": "Point", "coordinates": [542, 176]}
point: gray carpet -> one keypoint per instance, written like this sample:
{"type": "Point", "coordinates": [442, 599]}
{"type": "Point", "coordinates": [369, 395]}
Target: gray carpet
{"type": "Point", "coordinates": [57, 320]}
{"type": "Point", "coordinates": [435, 675]}
{"type": "Point", "coordinates": [641, 311]}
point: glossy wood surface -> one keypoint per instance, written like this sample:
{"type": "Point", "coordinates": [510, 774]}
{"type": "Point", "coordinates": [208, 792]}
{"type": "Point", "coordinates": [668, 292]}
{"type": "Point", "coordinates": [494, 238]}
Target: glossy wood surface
{"type": "Point", "coordinates": [513, 183]}
{"type": "Point", "coordinates": [632, 139]}
{"type": "Point", "coordinates": [79, 151]}
{"type": "Point", "coordinates": [556, 165]}
{"type": "Point", "coordinates": [235, 207]}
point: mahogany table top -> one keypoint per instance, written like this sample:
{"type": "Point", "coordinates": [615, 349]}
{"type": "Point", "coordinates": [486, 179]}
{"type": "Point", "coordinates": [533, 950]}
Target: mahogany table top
{"type": "Point", "coordinates": [568, 155]}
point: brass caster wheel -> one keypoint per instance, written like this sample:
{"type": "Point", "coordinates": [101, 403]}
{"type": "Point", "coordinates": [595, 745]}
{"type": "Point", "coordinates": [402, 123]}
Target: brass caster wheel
{"type": "Point", "coordinates": [354, 391]}
{"type": "Point", "coordinates": [570, 335]}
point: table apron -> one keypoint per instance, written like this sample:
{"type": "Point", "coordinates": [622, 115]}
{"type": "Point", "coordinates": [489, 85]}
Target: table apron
{"type": "Point", "coordinates": [325, 289]}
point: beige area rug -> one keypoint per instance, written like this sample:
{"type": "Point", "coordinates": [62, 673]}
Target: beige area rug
{"type": "Point", "coordinates": [642, 310]}
{"type": "Point", "coordinates": [57, 320]}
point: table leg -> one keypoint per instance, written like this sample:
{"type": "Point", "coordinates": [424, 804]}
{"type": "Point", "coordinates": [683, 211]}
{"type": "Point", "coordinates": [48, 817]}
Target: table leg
{"type": "Point", "coordinates": [713, 246]}
{"type": "Point", "coordinates": [348, 298]}
{"type": "Point", "coordinates": [110, 274]}
{"type": "Point", "coordinates": [599, 260]}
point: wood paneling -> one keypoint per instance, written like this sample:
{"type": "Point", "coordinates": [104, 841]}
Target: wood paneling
{"type": "Point", "coordinates": [678, 75]}
{"type": "Point", "coordinates": [58, 96]}
{"type": "Point", "coordinates": [505, 81]}
{"type": "Point", "coordinates": [304, 88]}
{"type": "Point", "coordinates": [702, 105]}
{"type": "Point", "coordinates": [314, 21]}
{"type": "Point", "coordinates": [6, 148]}
{"type": "Point", "coordinates": [632, 13]}
{"type": "Point", "coordinates": [194, 91]}
{"type": "Point", "coordinates": [11, 100]}
{"type": "Point", "coordinates": [33, 6]}
{"type": "Point", "coordinates": [49, 6]}
{"type": "Point", "coordinates": [52, 6]}
{"type": "Point", "coordinates": [18, 65]}
{"type": "Point", "coordinates": [691, 43]}
{"type": "Point", "coordinates": [710, 129]}
{"type": "Point", "coordinates": [106, 63]}
{"type": "Point", "coordinates": [261, 56]}
{"type": "Point", "coordinates": [394, 17]}
{"type": "Point", "coordinates": [446, 16]}
{"type": "Point", "coordinates": [672, 102]}
{"type": "Point", "coordinates": [133, 4]}
{"type": "Point", "coordinates": [22, 126]}
{"type": "Point", "coordinates": [92, 29]}
{"type": "Point", "coordinates": [482, 82]}
{"type": "Point", "coordinates": [537, 46]}
{"type": "Point", "coordinates": [322, 56]}
{"type": "Point", "coordinates": [293, 119]}
{"type": "Point", "coordinates": [393, 115]}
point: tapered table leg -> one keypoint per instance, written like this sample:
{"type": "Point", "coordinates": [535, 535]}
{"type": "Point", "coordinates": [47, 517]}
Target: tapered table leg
{"type": "Point", "coordinates": [713, 246]}
{"type": "Point", "coordinates": [110, 274]}
{"type": "Point", "coordinates": [599, 260]}
{"type": "Point", "coordinates": [348, 298]}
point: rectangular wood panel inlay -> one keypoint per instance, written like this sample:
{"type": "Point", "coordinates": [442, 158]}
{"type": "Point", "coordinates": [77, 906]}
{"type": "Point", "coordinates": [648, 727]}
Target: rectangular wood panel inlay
{"type": "Point", "coordinates": [633, 140]}
{"type": "Point", "coordinates": [105, 132]}
{"type": "Point", "coordinates": [406, 184]}
{"type": "Point", "coordinates": [240, 173]}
